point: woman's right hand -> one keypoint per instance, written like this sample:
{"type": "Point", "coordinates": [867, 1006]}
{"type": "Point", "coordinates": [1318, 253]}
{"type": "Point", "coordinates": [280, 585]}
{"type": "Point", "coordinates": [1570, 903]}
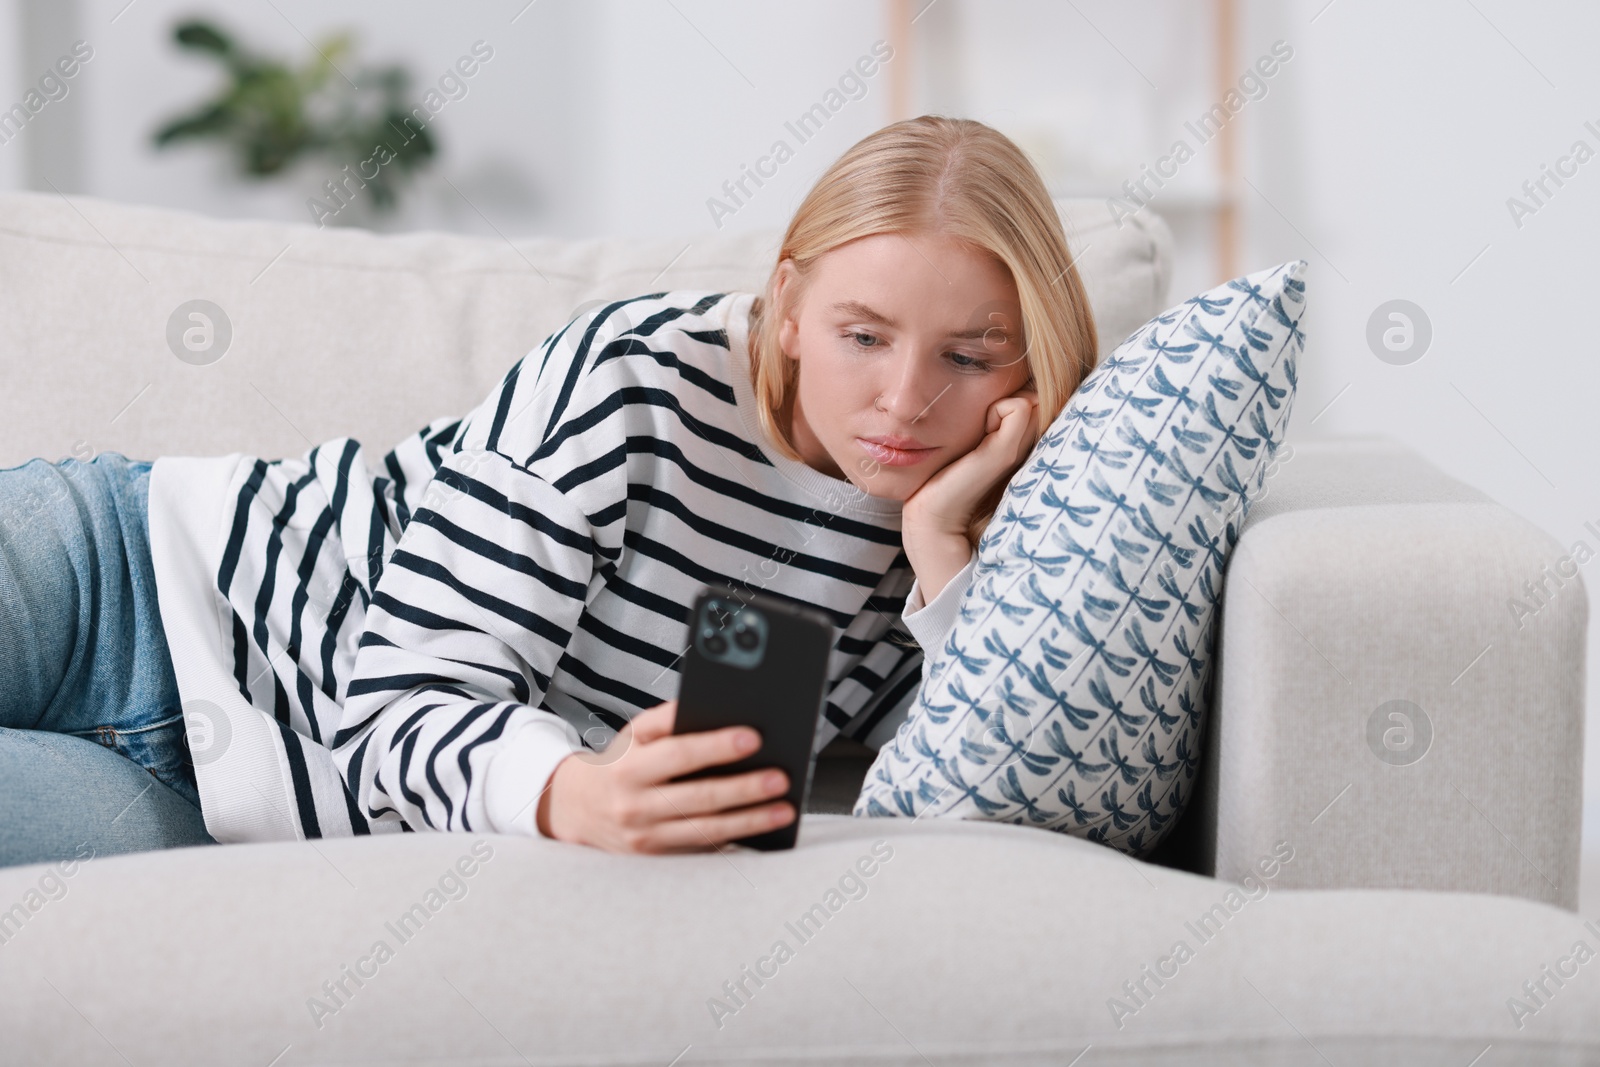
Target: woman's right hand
{"type": "Point", "coordinates": [623, 799]}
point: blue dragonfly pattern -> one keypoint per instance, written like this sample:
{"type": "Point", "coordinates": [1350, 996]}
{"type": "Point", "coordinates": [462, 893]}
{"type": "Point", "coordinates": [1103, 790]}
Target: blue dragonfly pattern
{"type": "Point", "coordinates": [1158, 537]}
{"type": "Point", "coordinates": [1150, 699]}
{"type": "Point", "coordinates": [1244, 446]}
{"type": "Point", "coordinates": [1027, 522]}
{"type": "Point", "coordinates": [1153, 608]}
{"type": "Point", "coordinates": [1247, 366]}
{"type": "Point", "coordinates": [1144, 405]}
{"type": "Point", "coordinates": [1149, 446]}
{"type": "Point", "coordinates": [1065, 424]}
{"type": "Point", "coordinates": [1228, 387]}
{"type": "Point", "coordinates": [1165, 389]}
{"type": "Point", "coordinates": [1250, 289]}
{"type": "Point", "coordinates": [1034, 592]}
{"type": "Point", "coordinates": [1044, 684]}
{"type": "Point", "coordinates": [1056, 471]}
{"type": "Point", "coordinates": [1194, 440]}
{"type": "Point", "coordinates": [1055, 657]}
{"type": "Point", "coordinates": [1123, 360]}
{"type": "Point", "coordinates": [1100, 451]}
{"type": "Point", "coordinates": [1067, 796]}
{"type": "Point", "coordinates": [1056, 738]}
{"type": "Point", "coordinates": [1081, 514]}
{"type": "Point", "coordinates": [1159, 344]}
{"type": "Point", "coordinates": [1290, 324]}
{"type": "Point", "coordinates": [1071, 691]}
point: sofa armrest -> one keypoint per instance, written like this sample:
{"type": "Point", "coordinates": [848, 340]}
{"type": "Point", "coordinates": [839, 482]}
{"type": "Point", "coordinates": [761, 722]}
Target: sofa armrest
{"type": "Point", "coordinates": [1381, 702]}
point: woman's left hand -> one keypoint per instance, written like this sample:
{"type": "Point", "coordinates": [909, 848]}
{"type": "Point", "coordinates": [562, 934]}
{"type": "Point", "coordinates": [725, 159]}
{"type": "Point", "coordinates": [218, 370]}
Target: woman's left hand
{"type": "Point", "coordinates": [945, 503]}
{"type": "Point", "coordinates": [934, 519]}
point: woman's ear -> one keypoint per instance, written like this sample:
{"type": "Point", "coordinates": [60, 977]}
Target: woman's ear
{"type": "Point", "coordinates": [786, 307]}
{"type": "Point", "coordinates": [788, 337]}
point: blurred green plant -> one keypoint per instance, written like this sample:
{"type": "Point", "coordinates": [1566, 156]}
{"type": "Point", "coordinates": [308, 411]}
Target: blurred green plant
{"type": "Point", "coordinates": [270, 115]}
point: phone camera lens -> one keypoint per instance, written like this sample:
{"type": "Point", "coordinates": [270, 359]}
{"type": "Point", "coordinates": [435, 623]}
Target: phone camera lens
{"type": "Point", "coordinates": [745, 637]}
{"type": "Point", "coordinates": [716, 644]}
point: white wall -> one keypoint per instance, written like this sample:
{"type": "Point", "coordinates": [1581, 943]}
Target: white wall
{"type": "Point", "coordinates": [12, 161]}
{"type": "Point", "coordinates": [591, 118]}
{"type": "Point", "coordinates": [1393, 150]}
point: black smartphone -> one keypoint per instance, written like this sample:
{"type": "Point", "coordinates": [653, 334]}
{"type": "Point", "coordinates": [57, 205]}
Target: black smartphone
{"type": "Point", "coordinates": [756, 660]}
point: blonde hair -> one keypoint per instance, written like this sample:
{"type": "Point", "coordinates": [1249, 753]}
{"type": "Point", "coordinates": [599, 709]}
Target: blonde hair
{"type": "Point", "coordinates": [956, 177]}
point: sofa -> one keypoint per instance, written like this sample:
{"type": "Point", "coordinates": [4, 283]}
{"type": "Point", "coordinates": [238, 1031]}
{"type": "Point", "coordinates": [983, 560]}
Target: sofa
{"type": "Point", "coordinates": [1380, 865]}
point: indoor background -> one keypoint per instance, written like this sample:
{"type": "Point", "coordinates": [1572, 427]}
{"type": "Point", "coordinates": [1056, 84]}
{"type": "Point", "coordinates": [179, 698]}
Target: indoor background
{"type": "Point", "coordinates": [1438, 153]}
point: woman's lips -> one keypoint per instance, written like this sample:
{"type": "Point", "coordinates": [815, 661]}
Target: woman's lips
{"type": "Point", "coordinates": [894, 457]}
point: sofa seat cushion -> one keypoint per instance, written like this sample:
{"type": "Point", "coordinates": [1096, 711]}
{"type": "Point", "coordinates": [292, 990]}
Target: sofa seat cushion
{"type": "Point", "coordinates": [902, 942]}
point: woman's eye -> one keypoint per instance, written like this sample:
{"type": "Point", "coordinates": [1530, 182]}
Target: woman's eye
{"type": "Point", "coordinates": [960, 359]}
{"type": "Point", "coordinates": [970, 364]}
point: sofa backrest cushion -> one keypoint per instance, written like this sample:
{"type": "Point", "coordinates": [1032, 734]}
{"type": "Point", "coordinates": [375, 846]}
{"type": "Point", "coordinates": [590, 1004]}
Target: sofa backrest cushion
{"type": "Point", "coordinates": [342, 331]}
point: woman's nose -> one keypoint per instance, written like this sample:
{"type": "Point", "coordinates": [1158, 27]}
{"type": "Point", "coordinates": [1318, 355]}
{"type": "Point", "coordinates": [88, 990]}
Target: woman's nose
{"type": "Point", "coordinates": [910, 395]}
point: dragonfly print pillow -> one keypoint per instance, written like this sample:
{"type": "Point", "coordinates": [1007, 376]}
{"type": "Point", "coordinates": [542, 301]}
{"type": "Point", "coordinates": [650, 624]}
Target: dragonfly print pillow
{"type": "Point", "coordinates": [1072, 689]}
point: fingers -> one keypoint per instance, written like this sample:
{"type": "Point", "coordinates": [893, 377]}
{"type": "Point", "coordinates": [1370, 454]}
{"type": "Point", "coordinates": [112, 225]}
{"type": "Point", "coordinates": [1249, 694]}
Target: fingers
{"type": "Point", "coordinates": [663, 807]}
{"type": "Point", "coordinates": [1019, 420]}
{"type": "Point", "coordinates": [673, 757]}
{"type": "Point", "coordinates": [1024, 411]}
{"type": "Point", "coordinates": [697, 815]}
{"type": "Point", "coordinates": [653, 723]}
{"type": "Point", "coordinates": [706, 796]}
{"type": "Point", "coordinates": [702, 833]}
{"type": "Point", "coordinates": [634, 807]}
{"type": "Point", "coordinates": [1010, 405]}
{"type": "Point", "coordinates": [1019, 405]}
{"type": "Point", "coordinates": [1006, 410]}
{"type": "Point", "coordinates": [646, 726]}
{"type": "Point", "coordinates": [662, 755]}
{"type": "Point", "coordinates": [1030, 433]}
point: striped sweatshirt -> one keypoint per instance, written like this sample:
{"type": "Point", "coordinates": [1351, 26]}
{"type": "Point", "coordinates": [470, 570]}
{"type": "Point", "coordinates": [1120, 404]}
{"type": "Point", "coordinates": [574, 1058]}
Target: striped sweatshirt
{"type": "Point", "coordinates": [415, 643]}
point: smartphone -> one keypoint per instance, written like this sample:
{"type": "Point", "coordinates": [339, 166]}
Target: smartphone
{"type": "Point", "coordinates": [756, 660]}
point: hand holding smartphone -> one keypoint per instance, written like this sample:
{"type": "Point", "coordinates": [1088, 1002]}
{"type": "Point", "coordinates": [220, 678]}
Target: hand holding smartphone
{"type": "Point", "coordinates": [677, 777]}
{"type": "Point", "coordinates": [759, 661]}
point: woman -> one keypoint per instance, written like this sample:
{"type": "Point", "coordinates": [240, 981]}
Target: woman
{"type": "Point", "coordinates": [429, 646]}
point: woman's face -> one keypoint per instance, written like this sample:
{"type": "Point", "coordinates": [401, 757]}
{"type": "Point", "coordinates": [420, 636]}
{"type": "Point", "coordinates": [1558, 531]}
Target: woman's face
{"type": "Point", "coordinates": [927, 323]}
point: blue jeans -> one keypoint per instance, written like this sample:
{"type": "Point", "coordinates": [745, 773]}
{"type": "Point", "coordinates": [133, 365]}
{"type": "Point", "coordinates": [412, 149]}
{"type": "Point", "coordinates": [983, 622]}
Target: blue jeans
{"type": "Point", "coordinates": [93, 754]}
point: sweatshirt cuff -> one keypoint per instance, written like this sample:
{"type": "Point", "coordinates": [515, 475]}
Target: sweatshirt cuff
{"type": "Point", "coordinates": [517, 775]}
{"type": "Point", "coordinates": [929, 623]}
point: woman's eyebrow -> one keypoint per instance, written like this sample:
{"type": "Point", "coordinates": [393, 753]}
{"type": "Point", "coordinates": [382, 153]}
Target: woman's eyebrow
{"type": "Point", "coordinates": [861, 311]}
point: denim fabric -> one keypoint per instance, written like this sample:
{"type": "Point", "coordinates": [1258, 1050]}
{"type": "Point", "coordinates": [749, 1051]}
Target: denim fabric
{"type": "Point", "coordinates": [86, 661]}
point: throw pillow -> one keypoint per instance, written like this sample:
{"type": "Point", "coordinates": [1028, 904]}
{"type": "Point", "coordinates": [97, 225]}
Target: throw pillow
{"type": "Point", "coordinates": [1071, 691]}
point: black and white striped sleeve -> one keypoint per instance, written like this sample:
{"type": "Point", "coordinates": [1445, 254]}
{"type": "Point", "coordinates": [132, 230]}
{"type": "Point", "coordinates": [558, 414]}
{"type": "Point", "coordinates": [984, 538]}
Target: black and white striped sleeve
{"type": "Point", "coordinates": [442, 726]}
{"type": "Point", "coordinates": [930, 624]}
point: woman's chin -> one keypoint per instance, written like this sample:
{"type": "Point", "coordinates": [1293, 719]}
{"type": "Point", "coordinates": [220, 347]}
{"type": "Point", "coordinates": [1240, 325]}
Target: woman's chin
{"type": "Point", "coordinates": [887, 483]}
{"type": "Point", "coordinates": [879, 480]}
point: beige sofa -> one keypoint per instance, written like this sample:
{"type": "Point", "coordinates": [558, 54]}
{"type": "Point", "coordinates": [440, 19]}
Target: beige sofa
{"type": "Point", "coordinates": [1337, 899]}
